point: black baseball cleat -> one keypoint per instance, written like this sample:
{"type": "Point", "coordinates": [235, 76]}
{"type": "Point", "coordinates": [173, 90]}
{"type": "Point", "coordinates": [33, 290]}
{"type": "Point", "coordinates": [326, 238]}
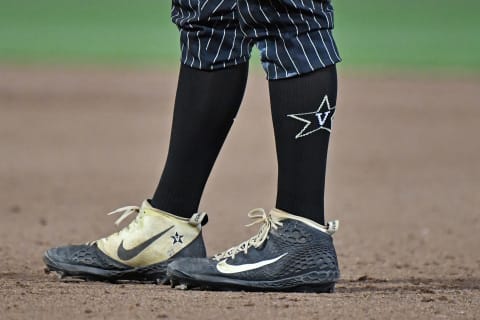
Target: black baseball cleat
{"type": "Point", "coordinates": [141, 251]}
{"type": "Point", "coordinates": [289, 253]}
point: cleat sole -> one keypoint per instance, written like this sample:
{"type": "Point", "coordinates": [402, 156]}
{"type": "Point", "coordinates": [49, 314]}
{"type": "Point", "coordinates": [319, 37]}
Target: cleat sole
{"type": "Point", "coordinates": [68, 272]}
{"type": "Point", "coordinates": [221, 284]}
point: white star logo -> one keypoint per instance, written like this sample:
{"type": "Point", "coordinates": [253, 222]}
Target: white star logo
{"type": "Point", "coordinates": [321, 118]}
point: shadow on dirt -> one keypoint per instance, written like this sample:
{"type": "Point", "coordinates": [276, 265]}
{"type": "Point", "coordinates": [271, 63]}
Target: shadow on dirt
{"type": "Point", "coordinates": [420, 285]}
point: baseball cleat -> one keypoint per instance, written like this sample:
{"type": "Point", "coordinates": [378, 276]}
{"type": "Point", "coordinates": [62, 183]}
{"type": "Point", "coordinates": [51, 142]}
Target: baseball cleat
{"type": "Point", "coordinates": [140, 251]}
{"type": "Point", "coordinates": [289, 253]}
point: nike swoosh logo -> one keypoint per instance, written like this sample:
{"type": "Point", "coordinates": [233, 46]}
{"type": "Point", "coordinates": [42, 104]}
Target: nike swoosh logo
{"type": "Point", "coordinates": [128, 254]}
{"type": "Point", "coordinates": [224, 267]}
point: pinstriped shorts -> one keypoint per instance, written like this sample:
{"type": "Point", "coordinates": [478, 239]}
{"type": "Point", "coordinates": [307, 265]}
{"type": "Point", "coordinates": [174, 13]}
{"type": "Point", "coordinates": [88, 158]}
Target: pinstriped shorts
{"type": "Point", "coordinates": [294, 36]}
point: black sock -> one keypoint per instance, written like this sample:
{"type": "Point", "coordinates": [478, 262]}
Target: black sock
{"type": "Point", "coordinates": [302, 121]}
{"type": "Point", "coordinates": [206, 104]}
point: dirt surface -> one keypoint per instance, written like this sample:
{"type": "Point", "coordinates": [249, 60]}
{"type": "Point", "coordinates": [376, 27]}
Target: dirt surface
{"type": "Point", "coordinates": [403, 179]}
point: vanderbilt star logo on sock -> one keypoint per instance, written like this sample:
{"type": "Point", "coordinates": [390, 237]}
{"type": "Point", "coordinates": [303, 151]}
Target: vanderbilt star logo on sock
{"type": "Point", "coordinates": [316, 120]}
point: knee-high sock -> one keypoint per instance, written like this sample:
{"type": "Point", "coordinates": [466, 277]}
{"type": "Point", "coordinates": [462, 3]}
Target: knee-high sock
{"type": "Point", "coordinates": [206, 104]}
{"type": "Point", "coordinates": [302, 112]}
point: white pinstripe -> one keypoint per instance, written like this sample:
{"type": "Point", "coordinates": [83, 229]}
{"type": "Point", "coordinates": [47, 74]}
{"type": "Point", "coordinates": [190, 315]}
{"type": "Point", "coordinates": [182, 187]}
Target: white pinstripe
{"type": "Point", "coordinates": [263, 12]}
{"type": "Point", "coordinates": [198, 38]}
{"type": "Point", "coordinates": [274, 65]}
{"type": "Point", "coordinates": [241, 47]}
{"type": "Point", "coordinates": [233, 43]}
{"type": "Point", "coordinates": [203, 6]}
{"type": "Point", "coordinates": [285, 46]}
{"type": "Point", "coordinates": [310, 38]}
{"type": "Point", "coordinates": [232, 9]}
{"type": "Point", "coordinates": [234, 32]}
{"type": "Point", "coordinates": [305, 54]}
{"type": "Point", "coordinates": [298, 40]}
{"type": "Point", "coordinates": [187, 33]}
{"type": "Point", "coordinates": [199, 46]}
{"type": "Point", "coordinates": [173, 15]}
{"type": "Point", "coordinates": [288, 53]}
{"type": "Point", "coordinates": [320, 32]}
{"type": "Point", "coordinates": [329, 27]}
{"type": "Point", "coordinates": [266, 43]}
{"type": "Point", "coordinates": [190, 4]}
{"type": "Point", "coordinates": [188, 48]}
{"type": "Point", "coordinates": [316, 51]}
{"type": "Point", "coordinates": [312, 10]}
{"type": "Point", "coordinates": [245, 21]}
{"type": "Point", "coordinates": [208, 42]}
{"type": "Point", "coordinates": [329, 31]}
{"type": "Point", "coordinates": [276, 48]}
{"type": "Point", "coordinates": [219, 47]}
{"type": "Point", "coordinates": [216, 8]}
{"type": "Point", "coordinates": [295, 6]}
{"type": "Point", "coordinates": [178, 12]}
{"type": "Point", "coordinates": [331, 18]}
{"type": "Point", "coordinates": [182, 21]}
{"type": "Point", "coordinates": [240, 25]}
{"type": "Point", "coordinates": [326, 16]}
{"type": "Point", "coordinates": [275, 68]}
{"type": "Point", "coordinates": [182, 14]}
{"type": "Point", "coordinates": [325, 45]}
{"type": "Point", "coordinates": [279, 60]}
{"type": "Point", "coordinates": [243, 31]}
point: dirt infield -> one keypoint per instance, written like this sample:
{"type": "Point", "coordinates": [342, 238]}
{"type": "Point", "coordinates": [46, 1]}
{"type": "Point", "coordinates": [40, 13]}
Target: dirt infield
{"type": "Point", "coordinates": [404, 180]}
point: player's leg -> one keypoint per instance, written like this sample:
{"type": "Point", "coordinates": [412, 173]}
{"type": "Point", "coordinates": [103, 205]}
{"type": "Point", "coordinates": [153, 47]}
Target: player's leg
{"type": "Point", "coordinates": [303, 103]}
{"type": "Point", "coordinates": [303, 109]}
{"type": "Point", "coordinates": [210, 88]}
{"type": "Point", "coordinates": [205, 107]}
{"type": "Point", "coordinates": [293, 251]}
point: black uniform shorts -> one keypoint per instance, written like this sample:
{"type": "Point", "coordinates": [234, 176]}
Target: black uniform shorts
{"type": "Point", "coordinates": [294, 36]}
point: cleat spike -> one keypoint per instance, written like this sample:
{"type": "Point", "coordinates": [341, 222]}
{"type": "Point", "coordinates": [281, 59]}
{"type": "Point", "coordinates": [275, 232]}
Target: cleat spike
{"type": "Point", "coordinates": [182, 286]}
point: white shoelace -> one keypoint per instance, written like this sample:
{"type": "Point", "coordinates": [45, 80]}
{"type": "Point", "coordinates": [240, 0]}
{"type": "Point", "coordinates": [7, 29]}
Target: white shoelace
{"type": "Point", "coordinates": [260, 216]}
{"type": "Point", "coordinates": [125, 212]}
